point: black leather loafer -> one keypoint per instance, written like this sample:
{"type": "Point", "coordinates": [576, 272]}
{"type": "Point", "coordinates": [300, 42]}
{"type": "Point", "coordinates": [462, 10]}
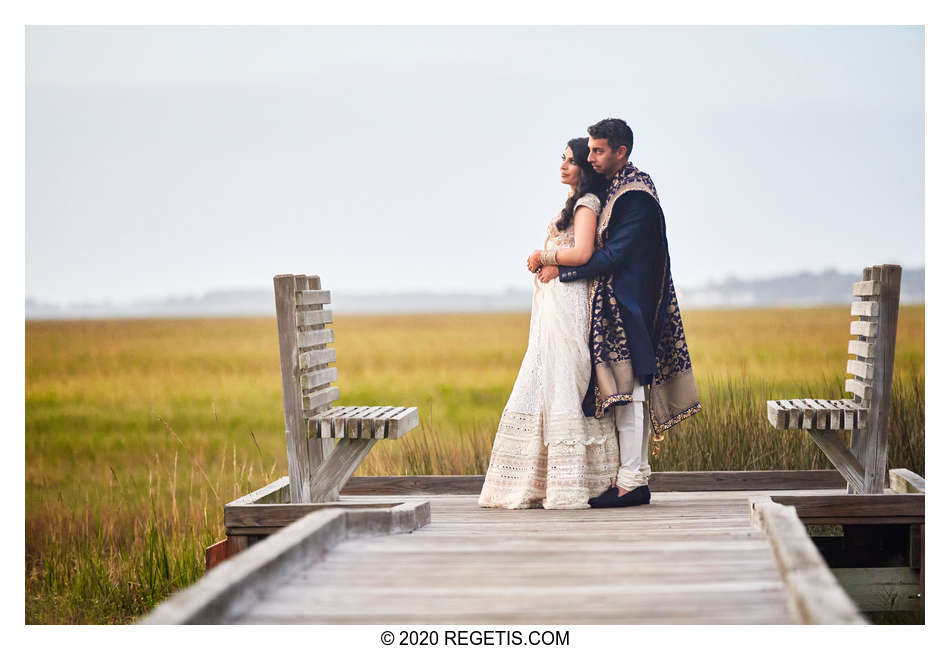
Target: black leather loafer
{"type": "Point", "coordinates": [637, 497]}
{"type": "Point", "coordinates": [604, 499]}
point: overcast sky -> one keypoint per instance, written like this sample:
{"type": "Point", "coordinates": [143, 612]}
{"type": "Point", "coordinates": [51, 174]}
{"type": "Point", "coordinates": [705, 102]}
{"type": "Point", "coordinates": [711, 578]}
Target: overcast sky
{"type": "Point", "coordinates": [171, 160]}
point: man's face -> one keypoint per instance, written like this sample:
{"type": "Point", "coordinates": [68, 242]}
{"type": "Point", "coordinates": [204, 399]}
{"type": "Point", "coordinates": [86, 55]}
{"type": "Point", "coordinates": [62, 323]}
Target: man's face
{"type": "Point", "coordinates": [603, 159]}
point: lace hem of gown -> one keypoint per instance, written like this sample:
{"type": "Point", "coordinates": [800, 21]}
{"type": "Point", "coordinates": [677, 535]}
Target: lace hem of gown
{"type": "Point", "coordinates": [557, 429]}
{"type": "Point", "coordinates": [524, 472]}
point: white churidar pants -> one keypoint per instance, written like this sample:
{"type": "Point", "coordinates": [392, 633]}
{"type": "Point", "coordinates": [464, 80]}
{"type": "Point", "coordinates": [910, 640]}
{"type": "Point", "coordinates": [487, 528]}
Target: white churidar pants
{"type": "Point", "coordinates": [633, 431]}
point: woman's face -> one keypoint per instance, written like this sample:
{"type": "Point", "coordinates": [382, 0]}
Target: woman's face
{"type": "Point", "coordinates": [570, 171]}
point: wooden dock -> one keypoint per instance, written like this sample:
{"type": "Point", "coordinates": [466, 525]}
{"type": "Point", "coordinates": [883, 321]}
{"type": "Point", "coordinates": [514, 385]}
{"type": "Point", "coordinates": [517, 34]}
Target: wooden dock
{"type": "Point", "coordinates": [430, 555]}
{"type": "Point", "coordinates": [684, 558]}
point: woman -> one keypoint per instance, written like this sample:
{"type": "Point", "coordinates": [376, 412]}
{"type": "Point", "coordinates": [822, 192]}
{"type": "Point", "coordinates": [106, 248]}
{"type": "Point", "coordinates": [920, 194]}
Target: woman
{"type": "Point", "coordinates": [546, 452]}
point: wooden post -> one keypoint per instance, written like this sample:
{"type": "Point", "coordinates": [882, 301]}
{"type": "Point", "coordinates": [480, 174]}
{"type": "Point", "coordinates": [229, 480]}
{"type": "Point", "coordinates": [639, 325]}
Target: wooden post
{"type": "Point", "coordinates": [295, 426]}
{"type": "Point", "coordinates": [875, 461]}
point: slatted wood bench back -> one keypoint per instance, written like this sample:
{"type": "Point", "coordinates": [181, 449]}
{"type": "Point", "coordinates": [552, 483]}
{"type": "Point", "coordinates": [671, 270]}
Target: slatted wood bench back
{"type": "Point", "coordinates": [864, 464]}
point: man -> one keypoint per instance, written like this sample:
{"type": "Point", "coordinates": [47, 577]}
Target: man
{"type": "Point", "coordinates": [636, 333]}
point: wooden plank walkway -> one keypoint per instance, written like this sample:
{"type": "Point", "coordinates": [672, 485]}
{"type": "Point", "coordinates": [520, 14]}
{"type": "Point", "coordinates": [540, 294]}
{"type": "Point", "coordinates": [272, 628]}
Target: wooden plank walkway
{"type": "Point", "coordinates": [688, 557]}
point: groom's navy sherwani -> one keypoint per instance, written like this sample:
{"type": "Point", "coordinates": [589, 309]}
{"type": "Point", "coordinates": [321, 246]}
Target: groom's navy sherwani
{"type": "Point", "coordinates": [629, 253]}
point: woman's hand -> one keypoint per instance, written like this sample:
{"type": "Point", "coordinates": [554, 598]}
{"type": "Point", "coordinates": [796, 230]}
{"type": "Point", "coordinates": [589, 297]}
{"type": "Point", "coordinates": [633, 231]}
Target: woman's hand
{"type": "Point", "coordinates": [534, 261]}
{"type": "Point", "coordinates": [548, 273]}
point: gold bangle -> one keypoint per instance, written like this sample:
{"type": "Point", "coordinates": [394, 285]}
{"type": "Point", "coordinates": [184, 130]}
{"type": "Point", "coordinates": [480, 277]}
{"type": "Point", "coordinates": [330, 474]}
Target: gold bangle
{"type": "Point", "coordinates": [549, 257]}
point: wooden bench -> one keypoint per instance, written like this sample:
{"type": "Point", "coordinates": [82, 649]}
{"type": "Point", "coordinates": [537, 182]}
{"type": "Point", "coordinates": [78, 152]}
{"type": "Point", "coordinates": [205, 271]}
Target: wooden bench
{"type": "Point", "coordinates": [864, 463]}
{"type": "Point", "coordinates": [325, 444]}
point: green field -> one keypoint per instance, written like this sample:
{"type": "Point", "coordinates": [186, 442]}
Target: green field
{"type": "Point", "coordinates": [138, 431]}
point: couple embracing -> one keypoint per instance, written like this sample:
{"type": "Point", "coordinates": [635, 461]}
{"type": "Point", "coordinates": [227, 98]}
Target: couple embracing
{"type": "Point", "coordinates": [607, 361]}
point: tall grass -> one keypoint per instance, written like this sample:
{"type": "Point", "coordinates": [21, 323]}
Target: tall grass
{"type": "Point", "coordinates": [138, 431]}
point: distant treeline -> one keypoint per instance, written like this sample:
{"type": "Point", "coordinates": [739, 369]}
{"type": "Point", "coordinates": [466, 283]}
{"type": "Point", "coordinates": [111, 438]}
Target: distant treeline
{"type": "Point", "coordinates": [806, 288]}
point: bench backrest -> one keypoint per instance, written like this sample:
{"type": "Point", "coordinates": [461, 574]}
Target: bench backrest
{"type": "Point", "coordinates": [303, 332]}
{"type": "Point", "coordinates": [877, 298]}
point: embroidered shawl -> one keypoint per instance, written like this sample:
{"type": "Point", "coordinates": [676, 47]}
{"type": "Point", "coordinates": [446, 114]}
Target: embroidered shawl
{"type": "Point", "coordinates": [673, 393]}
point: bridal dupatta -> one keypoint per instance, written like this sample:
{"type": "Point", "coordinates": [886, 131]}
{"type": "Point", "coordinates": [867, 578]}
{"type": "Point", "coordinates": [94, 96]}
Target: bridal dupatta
{"type": "Point", "coordinates": [673, 393]}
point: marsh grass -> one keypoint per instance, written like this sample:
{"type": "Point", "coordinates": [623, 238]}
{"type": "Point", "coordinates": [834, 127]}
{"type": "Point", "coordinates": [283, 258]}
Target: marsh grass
{"type": "Point", "coordinates": [138, 431]}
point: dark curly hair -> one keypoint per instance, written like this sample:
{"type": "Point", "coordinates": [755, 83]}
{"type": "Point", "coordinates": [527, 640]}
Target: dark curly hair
{"type": "Point", "coordinates": [590, 182]}
{"type": "Point", "coordinates": [615, 131]}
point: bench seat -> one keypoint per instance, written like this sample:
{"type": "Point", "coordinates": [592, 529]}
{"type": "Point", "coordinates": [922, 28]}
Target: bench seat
{"type": "Point", "coordinates": [365, 422]}
{"type": "Point", "coordinates": [820, 414]}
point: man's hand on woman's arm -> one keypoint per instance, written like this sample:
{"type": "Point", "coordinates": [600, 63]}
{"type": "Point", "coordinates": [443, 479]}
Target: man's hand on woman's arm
{"type": "Point", "coordinates": [534, 261]}
{"type": "Point", "coordinates": [547, 273]}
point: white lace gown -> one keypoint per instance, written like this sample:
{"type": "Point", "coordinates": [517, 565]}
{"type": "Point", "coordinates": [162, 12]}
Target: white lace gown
{"type": "Point", "coordinates": [546, 452]}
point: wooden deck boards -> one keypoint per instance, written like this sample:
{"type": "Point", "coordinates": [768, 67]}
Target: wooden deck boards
{"type": "Point", "coordinates": [688, 557]}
